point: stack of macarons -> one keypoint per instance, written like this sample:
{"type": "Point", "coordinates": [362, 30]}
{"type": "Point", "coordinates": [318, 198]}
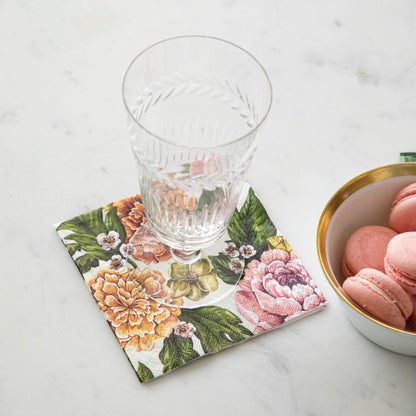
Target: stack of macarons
{"type": "Point", "coordinates": [379, 264]}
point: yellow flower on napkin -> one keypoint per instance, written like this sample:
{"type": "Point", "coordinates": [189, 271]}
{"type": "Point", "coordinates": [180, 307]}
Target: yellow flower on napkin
{"type": "Point", "coordinates": [279, 242]}
{"type": "Point", "coordinates": [194, 280]}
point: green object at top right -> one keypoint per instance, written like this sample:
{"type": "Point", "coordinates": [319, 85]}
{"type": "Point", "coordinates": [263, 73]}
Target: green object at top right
{"type": "Point", "coordinates": [408, 157]}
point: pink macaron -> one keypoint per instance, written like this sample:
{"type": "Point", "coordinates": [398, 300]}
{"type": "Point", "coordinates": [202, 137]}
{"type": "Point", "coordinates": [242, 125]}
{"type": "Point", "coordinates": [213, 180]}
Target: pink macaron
{"type": "Point", "coordinates": [400, 261]}
{"type": "Point", "coordinates": [403, 210]}
{"type": "Point", "coordinates": [366, 247]}
{"type": "Point", "coordinates": [379, 296]}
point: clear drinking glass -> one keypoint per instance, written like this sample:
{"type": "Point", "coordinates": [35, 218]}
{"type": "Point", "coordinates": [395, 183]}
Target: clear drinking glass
{"type": "Point", "coordinates": [195, 105]}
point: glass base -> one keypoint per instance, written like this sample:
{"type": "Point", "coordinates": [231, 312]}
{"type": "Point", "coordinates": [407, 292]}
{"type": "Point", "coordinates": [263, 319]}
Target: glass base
{"type": "Point", "coordinates": [190, 279]}
{"type": "Point", "coordinates": [186, 257]}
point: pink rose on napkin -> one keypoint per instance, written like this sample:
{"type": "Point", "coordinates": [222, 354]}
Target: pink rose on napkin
{"type": "Point", "coordinates": [275, 290]}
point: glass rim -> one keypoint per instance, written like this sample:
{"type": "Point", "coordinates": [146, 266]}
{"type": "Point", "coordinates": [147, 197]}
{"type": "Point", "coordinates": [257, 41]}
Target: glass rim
{"type": "Point", "coordinates": [156, 136]}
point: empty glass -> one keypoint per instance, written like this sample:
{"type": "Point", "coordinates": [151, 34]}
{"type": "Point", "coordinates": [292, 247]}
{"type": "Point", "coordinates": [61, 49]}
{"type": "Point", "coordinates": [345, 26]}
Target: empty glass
{"type": "Point", "coordinates": [195, 105]}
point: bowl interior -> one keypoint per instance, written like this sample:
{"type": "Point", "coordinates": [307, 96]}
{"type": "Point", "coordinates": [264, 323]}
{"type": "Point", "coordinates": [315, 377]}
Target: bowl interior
{"type": "Point", "coordinates": [365, 200]}
{"type": "Point", "coordinates": [369, 205]}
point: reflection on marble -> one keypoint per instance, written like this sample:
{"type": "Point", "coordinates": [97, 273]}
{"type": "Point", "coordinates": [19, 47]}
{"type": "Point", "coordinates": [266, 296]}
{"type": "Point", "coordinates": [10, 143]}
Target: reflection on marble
{"type": "Point", "coordinates": [344, 77]}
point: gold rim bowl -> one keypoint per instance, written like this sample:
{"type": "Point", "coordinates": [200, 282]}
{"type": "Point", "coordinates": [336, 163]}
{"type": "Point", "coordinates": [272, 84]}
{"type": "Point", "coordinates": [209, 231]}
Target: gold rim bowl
{"type": "Point", "coordinates": [364, 200]}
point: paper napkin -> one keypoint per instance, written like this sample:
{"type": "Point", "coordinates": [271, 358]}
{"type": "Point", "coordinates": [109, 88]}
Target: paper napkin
{"type": "Point", "coordinates": [164, 314]}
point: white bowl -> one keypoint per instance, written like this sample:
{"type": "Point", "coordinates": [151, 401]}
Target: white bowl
{"type": "Point", "coordinates": [364, 200]}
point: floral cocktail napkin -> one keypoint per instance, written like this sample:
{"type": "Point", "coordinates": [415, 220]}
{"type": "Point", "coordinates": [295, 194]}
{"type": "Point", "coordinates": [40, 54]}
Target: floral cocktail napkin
{"type": "Point", "coordinates": [165, 314]}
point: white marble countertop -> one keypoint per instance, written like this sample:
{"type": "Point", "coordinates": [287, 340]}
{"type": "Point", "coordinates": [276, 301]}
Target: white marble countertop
{"type": "Point", "coordinates": [344, 77]}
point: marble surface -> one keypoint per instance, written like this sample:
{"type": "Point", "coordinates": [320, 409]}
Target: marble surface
{"type": "Point", "coordinates": [344, 77]}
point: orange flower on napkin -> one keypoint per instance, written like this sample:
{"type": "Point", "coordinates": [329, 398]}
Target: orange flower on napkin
{"type": "Point", "coordinates": [137, 320]}
{"type": "Point", "coordinates": [131, 213]}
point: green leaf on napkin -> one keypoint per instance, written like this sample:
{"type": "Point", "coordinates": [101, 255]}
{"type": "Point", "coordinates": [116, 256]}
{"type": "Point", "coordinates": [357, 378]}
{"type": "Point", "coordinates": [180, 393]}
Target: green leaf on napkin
{"type": "Point", "coordinates": [83, 238]}
{"type": "Point", "coordinates": [144, 373]}
{"type": "Point", "coordinates": [176, 351]}
{"type": "Point", "coordinates": [113, 223]}
{"type": "Point", "coordinates": [222, 269]}
{"type": "Point", "coordinates": [86, 262]}
{"type": "Point", "coordinates": [251, 225]}
{"type": "Point", "coordinates": [90, 223]}
{"type": "Point", "coordinates": [209, 199]}
{"type": "Point", "coordinates": [85, 241]}
{"type": "Point", "coordinates": [215, 327]}
{"type": "Point", "coordinates": [73, 248]}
